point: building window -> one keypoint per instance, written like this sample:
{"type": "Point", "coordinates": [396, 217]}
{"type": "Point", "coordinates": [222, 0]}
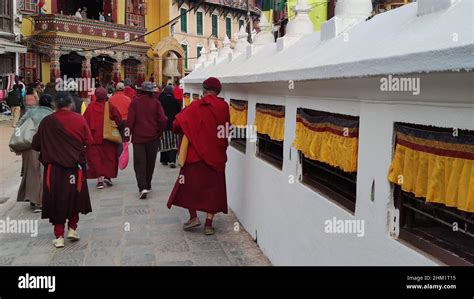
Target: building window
{"type": "Point", "coordinates": [238, 119]}
{"type": "Point", "coordinates": [6, 24]}
{"type": "Point", "coordinates": [199, 25]}
{"type": "Point", "coordinates": [184, 20]}
{"type": "Point", "coordinates": [29, 5]}
{"type": "Point", "coordinates": [270, 125]}
{"type": "Point", "coordinates": [241, 24]}
{"type": "Point", "coordinates": [432, 170]}
{"type": "Point", "coordinates": [185, 49]}
{"type": "Point", "coordinates": [215, 26]}
{"type": "Point", "coordinates": [135, 13]}
{"type": "Point", "coordinates": [29, 67]}
{"type": "Point", "coordinates": [7, 64]}
{"type": "Point", "coordinates": [198, 51]}
{"type": "Point", "coordinates": [131, 69]}
{"type": "Point", "coordinates": [327, 144]}
{"type": "Point", "coordinates": [228, 27]}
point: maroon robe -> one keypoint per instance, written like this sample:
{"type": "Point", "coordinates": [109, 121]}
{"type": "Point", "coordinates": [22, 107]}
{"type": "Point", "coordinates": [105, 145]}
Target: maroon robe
{"type": "Point", "coordinates": [204, 186]}
{"type": "Point", "coordinates": [102, 155]}
{"type": "Point", "coordinates": [60, 139]}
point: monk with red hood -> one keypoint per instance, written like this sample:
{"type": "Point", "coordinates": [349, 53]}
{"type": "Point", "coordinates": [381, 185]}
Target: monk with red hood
{"type": "Point", "coordinates": [201, 184]}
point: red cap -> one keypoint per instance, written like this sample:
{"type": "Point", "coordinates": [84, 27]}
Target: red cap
{"type": "Point", "coordinates": [212, 83]}
{"type": "Point", "coordinates": [101, 94]}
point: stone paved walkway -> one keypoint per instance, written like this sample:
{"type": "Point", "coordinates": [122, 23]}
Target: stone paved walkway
{"type": "Point", "coordinates": [155, 236]}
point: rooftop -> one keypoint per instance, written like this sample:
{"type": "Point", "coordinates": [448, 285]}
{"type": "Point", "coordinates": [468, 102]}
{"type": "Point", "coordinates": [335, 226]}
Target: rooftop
{"type": "Point", "coordinates": [416, 38]}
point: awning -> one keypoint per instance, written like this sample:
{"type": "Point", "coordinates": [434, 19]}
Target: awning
{"type": "Point", "coordinates": [8, 46]}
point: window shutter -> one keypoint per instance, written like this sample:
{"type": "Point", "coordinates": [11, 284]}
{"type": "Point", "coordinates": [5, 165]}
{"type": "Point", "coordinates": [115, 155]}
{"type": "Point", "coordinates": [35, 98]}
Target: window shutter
{"type": "Point", "coordinates": [228, 25]}
{"type": "Point", "coordinates": [214, 26]}
{"type": "Point", "coordinates": [184, 20]}
{"type": "Point", "coordinates": [199, 23]}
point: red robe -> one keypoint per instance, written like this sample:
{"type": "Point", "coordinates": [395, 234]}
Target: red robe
{"type": "Point", "coordinates": [102, 155]}
{"type": "Point", "coordinates": [178, 93]}
{"type": "Point", "coordinates": [204, 188]}
{"type": "Point", "coordinates": [61, 140]}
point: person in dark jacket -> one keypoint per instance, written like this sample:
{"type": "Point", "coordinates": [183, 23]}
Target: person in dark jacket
{"type": "Point", "coordinates": [14, 101]}
{"type": "Point", "coordinates": [170, 141]}
{"type": "Point", "coordinates": [77, 101]}
{"type": "Point", "coordinates": [146, 122]}
{"type": "Point", "coordinates": [50, 88]}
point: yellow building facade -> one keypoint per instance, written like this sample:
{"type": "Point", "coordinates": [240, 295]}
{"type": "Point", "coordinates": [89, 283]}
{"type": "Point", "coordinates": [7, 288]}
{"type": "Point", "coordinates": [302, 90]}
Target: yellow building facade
{"type": "Point", "coordinates": [118, 39]}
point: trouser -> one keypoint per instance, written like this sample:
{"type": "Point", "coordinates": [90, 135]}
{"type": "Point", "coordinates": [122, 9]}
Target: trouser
{"type": "Point", "coordinates": [168, 156]}
{"type": "Point", "coordinates": [144, 159]}
{"type": "Point", "coordinates": [72, 224]}
{"type": "Point", "coordinates": [16, 111]}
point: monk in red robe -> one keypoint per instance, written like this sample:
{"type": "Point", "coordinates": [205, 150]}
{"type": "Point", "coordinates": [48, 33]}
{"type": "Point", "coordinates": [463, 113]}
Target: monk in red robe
{"type": "Point", "coordinates": [61, 139]}
{"type": "Point", "coordinates": [102, 155]}
{"type": "Point", "coordinates": [201, 183]}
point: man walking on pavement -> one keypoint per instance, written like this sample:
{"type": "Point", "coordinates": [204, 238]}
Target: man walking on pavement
{"type": "Point", "coordinates": [146, 122]}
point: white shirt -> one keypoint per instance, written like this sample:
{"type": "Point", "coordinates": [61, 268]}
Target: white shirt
{"type": "Point", "coordinates": [78, 15]}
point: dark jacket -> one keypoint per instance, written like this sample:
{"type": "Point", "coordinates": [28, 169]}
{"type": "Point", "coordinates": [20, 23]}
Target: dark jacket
{"type": "Point", "coordinates": [77, 102]}
{"type": "Point", "coordinates": [171, 107]}
{"type": "Point", "coordinates": [146, 119]}
{"type": "Point", "coordinates": [13, 99]}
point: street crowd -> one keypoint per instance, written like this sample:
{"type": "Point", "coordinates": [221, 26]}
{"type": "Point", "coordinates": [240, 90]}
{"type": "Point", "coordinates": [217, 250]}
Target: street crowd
{"type": "Point", "coordinates": [65, 139]}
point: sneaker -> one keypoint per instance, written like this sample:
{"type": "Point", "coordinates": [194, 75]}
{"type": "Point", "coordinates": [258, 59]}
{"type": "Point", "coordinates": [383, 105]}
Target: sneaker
{"type": "Point", "coordinates": [59, 242]}
{"type": "Point", "coordinates": [36, 209]}
{"type": "Point", "coordinates": [143, 194]}
{"type": "Point", "coordinates": [73, 235]}
{"type": "Point", "coordinates": [172, 165]}
{"type": "Point", "coordinates": [108, 182]}
{"type": "Point", "coordinates": [100, 185]}
{"type": "Point", "coordinates": [209, 230]}
{"type": "Point", "coordinates": [164, 163]}
{"type": "Point", "coordinates": [191, 224]}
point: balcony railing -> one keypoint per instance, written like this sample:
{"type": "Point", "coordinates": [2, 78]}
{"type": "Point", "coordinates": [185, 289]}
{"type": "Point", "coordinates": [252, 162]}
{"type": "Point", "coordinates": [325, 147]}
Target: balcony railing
{"type": "Point", "coordinates": [70, 24]}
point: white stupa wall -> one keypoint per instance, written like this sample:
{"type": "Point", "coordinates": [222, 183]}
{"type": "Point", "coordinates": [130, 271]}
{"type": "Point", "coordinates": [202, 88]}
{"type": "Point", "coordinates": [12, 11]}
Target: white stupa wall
{"type": "Point", "coordinates": [288, 219]}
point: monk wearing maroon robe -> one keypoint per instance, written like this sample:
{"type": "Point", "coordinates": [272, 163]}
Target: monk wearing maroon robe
{"type": "Point", "coordinates": [61, 139]}
{"type": "Point", "coordinates": [102, 155]}
{"type": "Point", "coordinates": [201, 183]}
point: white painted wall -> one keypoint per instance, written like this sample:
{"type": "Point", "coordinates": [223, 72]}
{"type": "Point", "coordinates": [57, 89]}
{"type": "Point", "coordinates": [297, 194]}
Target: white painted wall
{"type": "Point", "coordinates": [288, 219]}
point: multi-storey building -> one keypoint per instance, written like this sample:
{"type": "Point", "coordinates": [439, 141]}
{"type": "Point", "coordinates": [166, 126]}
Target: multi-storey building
{"type": "Point", "coordinates": [212, 21]}
{"type": "Point", "coordinates": [9, 37]}
{"type": "Point", "coordinates": [135, 39]}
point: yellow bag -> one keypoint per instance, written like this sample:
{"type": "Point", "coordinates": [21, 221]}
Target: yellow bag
{"type": "Point", "coordinates": [111, 132]}
{"type": "Point", "coordinates": [183, 151]}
